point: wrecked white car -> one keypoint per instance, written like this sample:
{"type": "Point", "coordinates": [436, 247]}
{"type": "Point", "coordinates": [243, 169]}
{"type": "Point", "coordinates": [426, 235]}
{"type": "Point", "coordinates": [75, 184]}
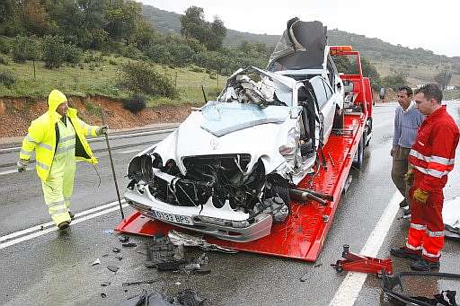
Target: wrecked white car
{"type": "Point", "coordinates": [228, 168]}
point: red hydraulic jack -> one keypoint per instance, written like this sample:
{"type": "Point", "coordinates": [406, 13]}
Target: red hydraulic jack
{"type": "Point", "coordinates": [364, 264]}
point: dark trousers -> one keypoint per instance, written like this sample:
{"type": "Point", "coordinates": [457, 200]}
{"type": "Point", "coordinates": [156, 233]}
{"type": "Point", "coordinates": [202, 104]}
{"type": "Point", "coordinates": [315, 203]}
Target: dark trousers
{"type": "Point", "coordinates": [399, 169]}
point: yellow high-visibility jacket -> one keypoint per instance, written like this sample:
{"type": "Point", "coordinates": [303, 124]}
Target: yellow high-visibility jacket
{"type": "Point", "coordinates": [42, 138]}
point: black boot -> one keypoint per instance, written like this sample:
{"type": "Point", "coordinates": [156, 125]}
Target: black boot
{"type": "Point", "coordinates": [63, 225]}
{"type": "Point", "coordinates": [405, 253]}
{"type": "Point", "coordinates": [424, 265]}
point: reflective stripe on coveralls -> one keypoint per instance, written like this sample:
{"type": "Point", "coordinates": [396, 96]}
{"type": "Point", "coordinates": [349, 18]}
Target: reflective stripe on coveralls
{"type": "Point", "coordinates": [58, 187]}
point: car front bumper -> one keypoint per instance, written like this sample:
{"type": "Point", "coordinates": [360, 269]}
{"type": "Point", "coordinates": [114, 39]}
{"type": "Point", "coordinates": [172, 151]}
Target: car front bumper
{"type": "Point", "coordinates": [190, 218]}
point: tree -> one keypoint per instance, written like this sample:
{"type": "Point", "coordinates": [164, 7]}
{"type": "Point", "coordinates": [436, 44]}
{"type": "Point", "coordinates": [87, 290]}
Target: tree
{"type": "Point", "coordinates": [217, 33]}
{"type": "Point", "coordinates": [443, 78]}
{"type": "Point", "coordinates": [194, 26]}
{"type": "Point", "coordinates": [394, 81]}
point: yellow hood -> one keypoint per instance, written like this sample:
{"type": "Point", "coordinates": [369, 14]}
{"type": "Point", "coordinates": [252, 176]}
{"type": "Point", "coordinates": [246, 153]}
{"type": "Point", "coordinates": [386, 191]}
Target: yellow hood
{"type": "Point", "coordinates": [54, 99]}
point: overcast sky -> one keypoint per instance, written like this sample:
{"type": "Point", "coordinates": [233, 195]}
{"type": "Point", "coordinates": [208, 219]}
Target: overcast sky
{"type": "Point", "coordinates": [432, 25]}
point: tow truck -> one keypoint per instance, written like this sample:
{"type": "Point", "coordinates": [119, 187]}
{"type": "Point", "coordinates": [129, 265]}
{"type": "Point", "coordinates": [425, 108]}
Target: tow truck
{"type": "Point", "coordinates": [303, 234]}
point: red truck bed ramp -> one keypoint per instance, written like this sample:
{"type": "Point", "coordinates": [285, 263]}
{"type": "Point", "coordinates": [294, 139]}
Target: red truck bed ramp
{"type": "Point", "coordinates": [303, 233]}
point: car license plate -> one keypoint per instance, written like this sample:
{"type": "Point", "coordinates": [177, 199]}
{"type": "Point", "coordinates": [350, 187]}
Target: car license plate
{"type": "Point", "coordinates": [172, 217]}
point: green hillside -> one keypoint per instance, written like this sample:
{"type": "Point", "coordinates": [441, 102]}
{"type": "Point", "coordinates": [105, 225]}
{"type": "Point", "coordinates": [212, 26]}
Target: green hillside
{"type": "Point", "coordinates": [418, 64]}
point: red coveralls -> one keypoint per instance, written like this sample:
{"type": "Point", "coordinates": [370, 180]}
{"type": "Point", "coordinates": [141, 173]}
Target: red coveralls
{"type": "Point", "coordinates": [433, 156]}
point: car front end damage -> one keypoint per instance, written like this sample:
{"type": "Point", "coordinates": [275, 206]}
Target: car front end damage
{"type": "Point", "coordinates": [219, 195]}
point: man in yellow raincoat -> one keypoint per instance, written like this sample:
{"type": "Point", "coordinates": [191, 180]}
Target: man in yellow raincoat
{"type": "Point", "coordinates": [58, 138]}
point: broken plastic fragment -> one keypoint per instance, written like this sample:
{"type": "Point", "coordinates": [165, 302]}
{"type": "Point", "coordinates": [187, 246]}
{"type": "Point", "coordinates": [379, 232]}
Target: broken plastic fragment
{"type": "Point", "coordinates": [114, 269]}
{"type": "Point", "coordinates": [96, 262]}
{"type": "Point", "coordinates": [108, 231]}
{"type": "Point", "coordinates": [129, 244]}
{"type": "Point", "coordinates": [116, 250]}
{"type": "Point", "coordinates": [119, 257]}
{"type": "Point", "coordinates": [105, 284]}
{"type": "Point", "coordinates": [103, 295]}
{"type": "Point", "coordinates": [178, 238]}
{"type": "Point", "coordinates": [123, 238]}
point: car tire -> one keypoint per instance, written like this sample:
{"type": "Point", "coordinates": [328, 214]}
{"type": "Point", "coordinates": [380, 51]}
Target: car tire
{"type": "Point", "coordinates": [338, 118]}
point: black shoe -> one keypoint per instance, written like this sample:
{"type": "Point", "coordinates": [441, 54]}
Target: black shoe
{"type": "Point", "coordinates": [424, 265]}
{"type": "Point", "coordinates": [405, 253]}
{"type": "Point", "coordinates": [403, 203]}
{"type": "Point", "coordinates": [72, 216]}
{"type": "Point", "coordinates": [63, 225]}
{"type": "Point", "coordinates": [406, 214]}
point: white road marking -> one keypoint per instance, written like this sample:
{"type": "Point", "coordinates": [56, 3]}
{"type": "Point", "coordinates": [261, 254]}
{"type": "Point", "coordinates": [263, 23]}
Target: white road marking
{"type": "Point", "coordinates": [349, 290]}
{"type": "Point", "coordinates": [49, 227]}
{"type": "Point", "coordinates": [129, 151]}
{"type": "Point", "coordinates": [9, 171]}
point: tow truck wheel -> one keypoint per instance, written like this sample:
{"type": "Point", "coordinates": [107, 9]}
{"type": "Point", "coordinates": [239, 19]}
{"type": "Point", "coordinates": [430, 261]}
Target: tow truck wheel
{"type": "Point", "coordinates": [359, 156]}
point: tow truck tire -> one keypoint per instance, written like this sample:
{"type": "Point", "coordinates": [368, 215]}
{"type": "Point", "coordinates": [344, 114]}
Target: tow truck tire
{"type": "Point", "coordinates": [359, 156]}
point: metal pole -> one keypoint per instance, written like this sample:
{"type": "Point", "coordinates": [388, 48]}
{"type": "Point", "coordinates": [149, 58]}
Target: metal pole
{"type": "Point", "coordinates": [113, 168]}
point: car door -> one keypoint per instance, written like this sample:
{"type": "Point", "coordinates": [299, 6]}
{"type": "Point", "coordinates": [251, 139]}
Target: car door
{"type": "Point", "coordinates": [326, 102]}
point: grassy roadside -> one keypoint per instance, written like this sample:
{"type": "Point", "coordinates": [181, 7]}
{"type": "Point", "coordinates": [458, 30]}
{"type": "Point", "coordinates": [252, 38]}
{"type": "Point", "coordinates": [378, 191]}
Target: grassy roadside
{"type": "Point", "coordinates": [99, 78]}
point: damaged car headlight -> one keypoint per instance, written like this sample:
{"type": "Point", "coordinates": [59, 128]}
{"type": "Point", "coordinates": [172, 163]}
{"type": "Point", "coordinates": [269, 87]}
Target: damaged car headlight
{"type": "Point", "coordinates": [292, 143]}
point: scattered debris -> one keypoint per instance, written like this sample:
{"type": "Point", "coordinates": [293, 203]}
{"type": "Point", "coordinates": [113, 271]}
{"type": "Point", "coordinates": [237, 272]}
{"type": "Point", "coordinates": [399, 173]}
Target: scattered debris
{"type": "Point", "coordinates": [150, 281]}
{"type": "Point", "coordinates": [364, 264]}
{"type": "Point", "coordinates": [116, 250]}
{"type": "Point", "coordinates": [185, 297]}
{"type": "Point", "coordinates": [105, 255]}
{"type": "Point", "coordinates": [123, 238]}
{"type": "Point", "coordinates": [446, 297]}
{"type": "Point", "coordinates": [96, 262]}
{"type": "Point", "coordinates": [129, 244]}
{"type": "Point", "coordinates": [105, 284]}
{"type": "Point", "coordinates": [189, 297]}
{"type": "Point", "coordinates": [108, 231]}
{"type": "Point", "coordinates": [114, 269]}
{"type": "Point", "coordinates": [103, 295]}
{"type": "Point", "coordinates": [119, 257]}
{"type": "Point", "coordinates": [178, 238]}
{"type": "Point", "coordinates": [200, 265]}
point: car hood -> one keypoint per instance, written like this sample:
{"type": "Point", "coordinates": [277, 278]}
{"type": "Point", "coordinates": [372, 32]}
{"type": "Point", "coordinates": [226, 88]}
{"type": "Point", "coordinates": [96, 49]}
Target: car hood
{"type": "Point", "coordinates": [301, 46]}
{"type": "Point", "coordinates": [220, 119]}
{"type": "Point", "coordinates": [245, 136]}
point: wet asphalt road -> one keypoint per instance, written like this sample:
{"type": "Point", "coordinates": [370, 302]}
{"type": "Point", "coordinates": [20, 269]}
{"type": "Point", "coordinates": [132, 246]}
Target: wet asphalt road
{"type": "Point", "coordinates": [55, 269]}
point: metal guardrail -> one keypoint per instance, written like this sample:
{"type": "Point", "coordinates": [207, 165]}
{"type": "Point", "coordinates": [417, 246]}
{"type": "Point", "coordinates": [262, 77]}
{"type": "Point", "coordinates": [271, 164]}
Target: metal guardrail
{"type": "Point", "coordinates": [99, 139]}
{"type": "Point", "coordinates": [17, 146]}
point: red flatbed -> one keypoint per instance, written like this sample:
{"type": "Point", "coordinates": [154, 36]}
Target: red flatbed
{"type": "Point", "coordinates": [304, 232]}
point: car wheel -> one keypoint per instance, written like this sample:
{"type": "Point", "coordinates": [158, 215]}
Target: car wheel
{"type": "Point", "coordinates": [338, 119]}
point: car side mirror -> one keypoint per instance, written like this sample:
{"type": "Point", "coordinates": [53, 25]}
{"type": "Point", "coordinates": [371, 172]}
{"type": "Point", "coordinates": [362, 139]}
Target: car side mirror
{"type": "Point", "coordinates": [296, 111]}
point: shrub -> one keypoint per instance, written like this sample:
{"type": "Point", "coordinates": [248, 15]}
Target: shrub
{"type": "Point", "coordinates": [112, 62]}
{"type": "Point", "coordinates": [7, 79]}
{"type": "Point", "coordinates": [93, 57]}
{"type": "Point", "coordinates": [140, 77]}
{"type": "Point", "coordinates": [73, 54]}
{"type": "Point", "coordinates": [5, 46]}
{"type": "Point", "coordinates": [3, 61]}
{"type": "Point", "coordinates": [54, 51]}
{"type": "Point", "coordinates": [92, 108]}
{"type": "Point", "coordinates": [196, 69]}
{"type": "Point", "coordinates": [25, 48]}
{"type": "Point", "coordinates": [135, 104]}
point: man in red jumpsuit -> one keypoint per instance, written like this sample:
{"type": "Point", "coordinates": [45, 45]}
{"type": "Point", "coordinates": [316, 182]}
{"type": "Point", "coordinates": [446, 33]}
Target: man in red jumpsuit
{"type": "Point", "coordinates": [432, 157]}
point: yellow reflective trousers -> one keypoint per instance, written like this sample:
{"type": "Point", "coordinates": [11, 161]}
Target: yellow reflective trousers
{"type": "Point", "coordinates": [58, 187]}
